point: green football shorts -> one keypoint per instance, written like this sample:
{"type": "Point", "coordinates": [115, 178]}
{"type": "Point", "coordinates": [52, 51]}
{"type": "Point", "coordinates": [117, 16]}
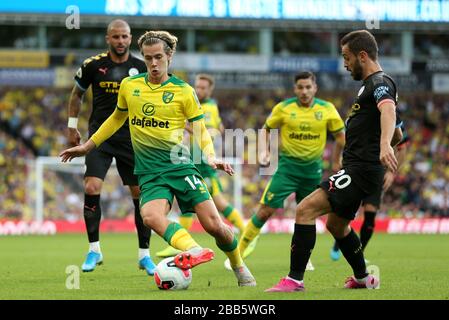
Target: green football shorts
{"type": "Point", "coordinates": [282, 185]}
{"type": "Point", "coordinates": [186, 185]}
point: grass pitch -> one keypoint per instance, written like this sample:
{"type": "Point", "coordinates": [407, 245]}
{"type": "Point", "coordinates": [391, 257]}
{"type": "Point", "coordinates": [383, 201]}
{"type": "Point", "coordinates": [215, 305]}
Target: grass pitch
{"type": "Point", "coordinates": [34, 267]}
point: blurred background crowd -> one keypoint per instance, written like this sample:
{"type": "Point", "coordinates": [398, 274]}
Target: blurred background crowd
{"type": "Point", "coordinates": [253, 53]}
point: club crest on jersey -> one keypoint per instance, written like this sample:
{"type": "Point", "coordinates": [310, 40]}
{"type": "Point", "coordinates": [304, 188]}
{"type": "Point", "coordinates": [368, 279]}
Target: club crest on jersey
{"type": "Point", "coordinates": [319, 115]}
{"type": "Point", "coordinates": [133, 72]}
{"type": "Point", "coordinates": [148, 109]}
{"type": "Point", "coordinates": [167, 96]}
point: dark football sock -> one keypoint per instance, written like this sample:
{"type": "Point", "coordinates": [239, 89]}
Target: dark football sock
{"type": "Point", "coordinates": [367, 229]}
{"type": "Point", "coordinates": [92, 216]}
{"type": "Point", "coordinates": [351, 248]}
{"type": "Point", "coordinates": [143, 232]}
{"type": "Point", "coordinates": [336, 247]}
{"type": "Point", "coordinates": [303, 241]}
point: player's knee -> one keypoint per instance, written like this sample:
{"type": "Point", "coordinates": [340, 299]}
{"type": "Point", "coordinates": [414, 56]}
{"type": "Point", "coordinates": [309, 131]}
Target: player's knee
{"type": "Point", "coordinates": [214, 226]}
{"type": "Point", "coordinates": [304, 210]}
{"type": "Point", "coordinates": [92, 188]}
{"type": "Point", "coordinates": [264, 213]}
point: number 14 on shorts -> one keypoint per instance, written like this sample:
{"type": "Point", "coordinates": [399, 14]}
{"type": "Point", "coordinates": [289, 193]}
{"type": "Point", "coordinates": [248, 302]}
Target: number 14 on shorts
{"type": "Point", "coordinates": [195, 182]}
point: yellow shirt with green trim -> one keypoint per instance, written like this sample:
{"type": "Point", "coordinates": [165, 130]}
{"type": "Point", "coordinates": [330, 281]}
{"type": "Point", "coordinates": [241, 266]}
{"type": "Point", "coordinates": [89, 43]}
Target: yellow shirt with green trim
{"type": "Point", "coordinates": [212, 121]}
{"type": "Point", "coordinates": [157, 116]}
{"type": "Point", "coordinates": [211, 114]}
{"type": "Point", "coordinates": [304, 131]}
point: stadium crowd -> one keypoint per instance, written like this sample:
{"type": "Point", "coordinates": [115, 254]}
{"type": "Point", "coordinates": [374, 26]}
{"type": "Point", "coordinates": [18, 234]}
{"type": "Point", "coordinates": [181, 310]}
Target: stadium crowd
{"type": "Point", "coordinates": [33, 123]}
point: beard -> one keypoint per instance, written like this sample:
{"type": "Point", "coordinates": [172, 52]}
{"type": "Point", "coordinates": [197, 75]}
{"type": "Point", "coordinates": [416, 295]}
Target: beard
{"type": "Point", "coordinates": [357, 71]}
{"type": "Point", "coordinates": [119, 54]}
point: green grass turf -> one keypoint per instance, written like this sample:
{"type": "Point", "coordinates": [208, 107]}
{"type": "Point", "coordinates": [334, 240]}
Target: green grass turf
{"type": "Point", "coordinates": [34, 267]}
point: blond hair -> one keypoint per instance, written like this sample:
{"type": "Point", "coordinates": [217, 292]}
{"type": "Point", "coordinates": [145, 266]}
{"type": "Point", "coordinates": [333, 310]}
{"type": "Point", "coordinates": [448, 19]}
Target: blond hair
{"type": "Point", "coordinates": [207, 77]}
{"type": "Point", "coordinates": [152, 37]}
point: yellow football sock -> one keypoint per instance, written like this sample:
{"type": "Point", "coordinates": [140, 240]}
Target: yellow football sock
{"type": "Point", "coordinates": [179, 238]}
{"type": "Point", "coordinates": [251, 231]}
{"type": "Point", "coordinates": [233, 253]}
{"type": "Point", "coordinates": [234, 217]}
{"type": "Point", "coordinates": [186, 220]}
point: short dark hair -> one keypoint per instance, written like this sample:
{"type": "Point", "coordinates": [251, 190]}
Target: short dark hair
{"type": "Point", "coordinates": [305, 75]}
{"type": "Point", "coordinates": [361, 40]}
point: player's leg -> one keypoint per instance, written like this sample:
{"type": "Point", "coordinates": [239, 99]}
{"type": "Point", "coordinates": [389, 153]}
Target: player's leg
{"type": "Point", "coordinates": [143, 235]}
{"type": "Point", "coordinates": [369, 221]}
{"type": "Point", "coordinates": [97, 165]}
{"type": "Point", "coordinates": [277, 190]}
{"type": "Point", "coordinates": [253, 228]}
{"type": "Point", "coordinates": [124, 157]}
{"type": "Point", "coordinates": [335, 252]}
{"type": "Point", "coordinates": [225, 240]}
{"type": "Point", "coordinates": [185, 221]}
{"type": "Point", "coordinates": [223, 206]}
{"type": "Point", "coordinates": [306, 186]}
{"type": "Point", "coordinates": [351, 248]}
{"type": "Point", "coordinates": [303, 240]}
{"type": "Point", "coordinates": [345, 195]}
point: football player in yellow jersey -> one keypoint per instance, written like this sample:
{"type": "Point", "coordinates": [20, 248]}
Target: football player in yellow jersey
{"type": "Point", "coordinates": [304, 121]}
{"type": "Point", "coordinates": [157, 105]}
{"type": "Point", "coordinates": [204, 86]}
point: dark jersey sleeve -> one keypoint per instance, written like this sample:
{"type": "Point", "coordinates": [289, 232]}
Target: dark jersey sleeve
{"type": "Point", "coordinates": [384, 90]}
{"type": "Point", "coordinates": [83, 76]}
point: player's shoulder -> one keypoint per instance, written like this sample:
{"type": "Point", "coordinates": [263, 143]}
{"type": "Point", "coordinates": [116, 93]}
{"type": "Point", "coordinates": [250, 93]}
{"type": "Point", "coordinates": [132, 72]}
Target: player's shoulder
{"type": "Point", "coordinates": [95, 59]}
{"type": "Point", "coordinates": [140, 76]}
{"type": "Point", "coordinates": [175, 81]}
{"type": "Point", "coordinates": [324, 103]}
{"type": "Point", "coordinates": [212, 102]}
{"type": "Point", "coordinates": [137, 61]}
{"type": "Point", "coordinates": [287, 102]}
{"type": "Point", "coordinates": [381, 78]}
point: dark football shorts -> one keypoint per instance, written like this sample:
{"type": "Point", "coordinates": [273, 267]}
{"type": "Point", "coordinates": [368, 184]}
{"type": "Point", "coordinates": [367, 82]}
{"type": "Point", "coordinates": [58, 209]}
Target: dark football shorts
{"type": "Point", "coordinates": [350, 186]}
{"type": "Point", "coordinates": [374, 198]}
{"type": "Point", "coordinates": [99, 160]}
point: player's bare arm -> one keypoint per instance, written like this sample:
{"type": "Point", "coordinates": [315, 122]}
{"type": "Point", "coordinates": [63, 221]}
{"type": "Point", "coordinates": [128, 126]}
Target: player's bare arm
{"type": "Point", "coordinates": [387, 123]}
{"type": "Point", "coordinates": [76, 99]}
{"type": "Point", "coordinates": [264, 158]}
{"type": "Point", "coordinates": [338, 150]}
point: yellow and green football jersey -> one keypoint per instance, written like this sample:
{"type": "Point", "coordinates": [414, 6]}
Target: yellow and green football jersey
{"type": "Point", "coordinates": [304, 129]}
{"type": "Point", "coordinates": [211, 114]}
{"type": "Point", "coordinates": [157, 115]}
{"type": "Point", "coordinates": [212, 121]}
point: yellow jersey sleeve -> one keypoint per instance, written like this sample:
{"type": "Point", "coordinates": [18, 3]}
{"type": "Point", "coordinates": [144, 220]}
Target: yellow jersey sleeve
{"type": "Point", "coordinates": [275, 119]}
{"type": "Point", "coordinates": [192, 106]}
{"type": "Point", "coordinates": [334, 123]}
{"type": "Point", "coordinates": [217, 118]}
{"type": "Point", "coordinates": [121, 99]}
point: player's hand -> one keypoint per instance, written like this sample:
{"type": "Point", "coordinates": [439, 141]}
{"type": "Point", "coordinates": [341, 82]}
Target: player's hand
{"type": "Point", "coordinates": [387, 157]}
{"type": "Point", "coordinates": [220, 165]}
{"type": "Point", "coordinates": [78, 151]}
{"type": "Point", "coordinates": [264, 158]}
{"type": "Point", "coordinates": [388, 180]}
{"type": "Point", "coordinates": [73, 137]}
